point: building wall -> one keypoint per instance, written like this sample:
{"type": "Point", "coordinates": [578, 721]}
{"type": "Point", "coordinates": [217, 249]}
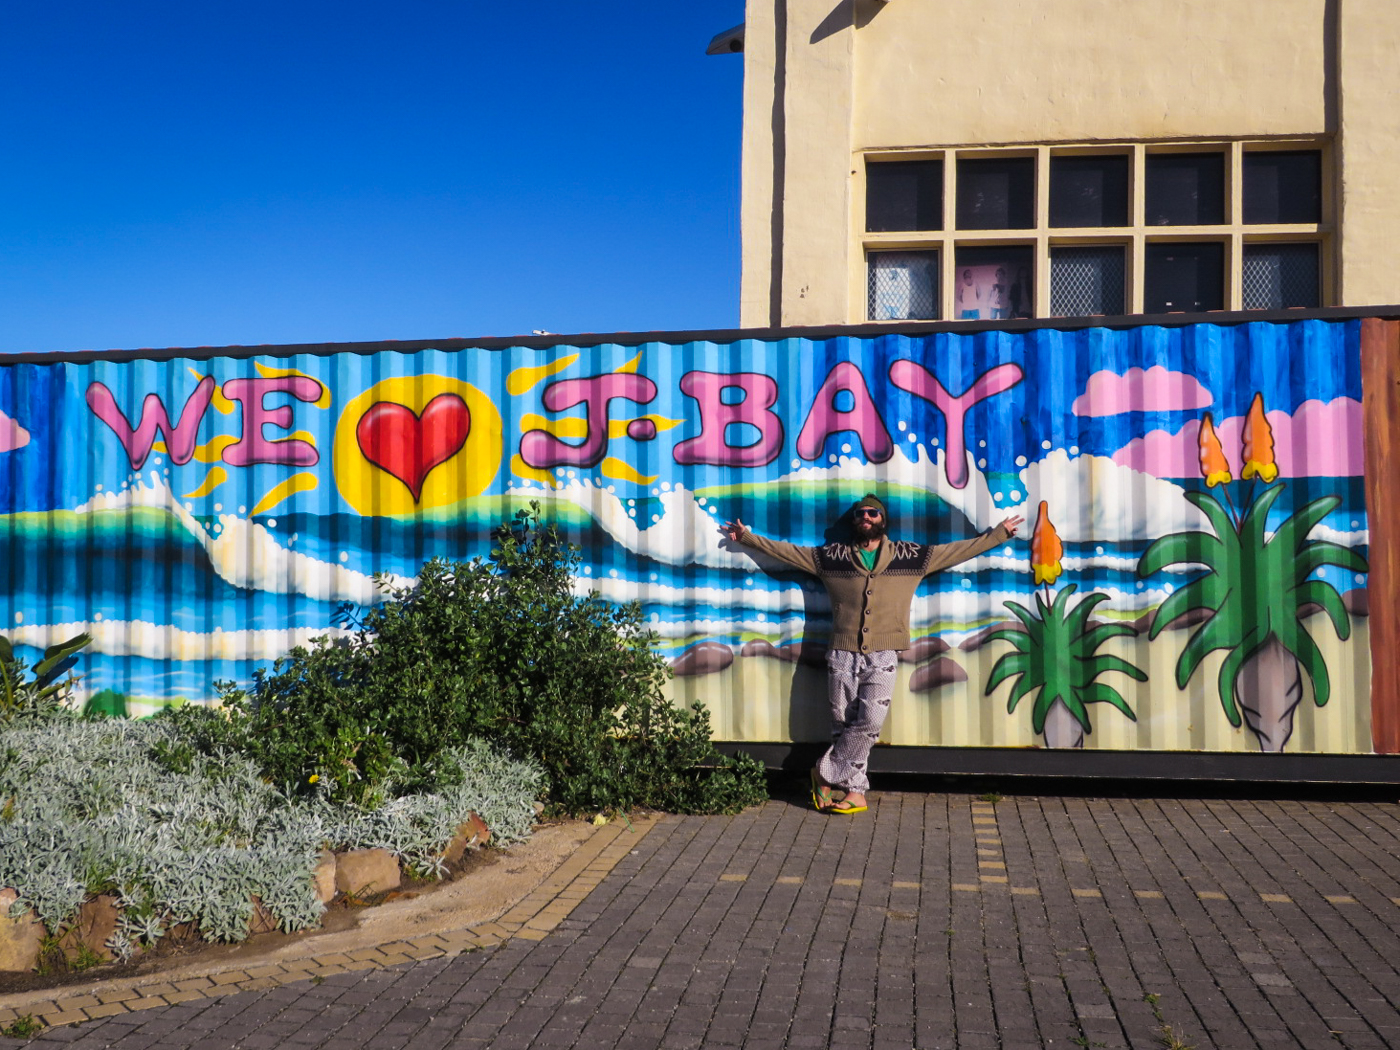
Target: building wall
{"type": "Point", "coordinates": [826, 85]}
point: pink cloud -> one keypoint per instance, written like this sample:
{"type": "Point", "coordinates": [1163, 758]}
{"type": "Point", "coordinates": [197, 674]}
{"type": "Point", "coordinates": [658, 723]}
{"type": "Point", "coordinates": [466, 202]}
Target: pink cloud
{"type": "Point", "coordinates": [1319, 440]}
{"type": "Point", "coordinates": [12, 435]}
{"type": "Point", "coordinates": [1153, 390]}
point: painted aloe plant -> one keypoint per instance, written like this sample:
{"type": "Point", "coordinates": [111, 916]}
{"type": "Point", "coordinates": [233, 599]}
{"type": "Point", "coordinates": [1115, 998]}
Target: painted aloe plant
{"type": "Point", "coordinates": [1057, 655]}
{"type": "Point", "coordinates": [1255, 587]}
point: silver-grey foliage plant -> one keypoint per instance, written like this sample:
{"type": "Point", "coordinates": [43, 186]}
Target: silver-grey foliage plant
{"type": "Point", "coordinates": [90, 807]}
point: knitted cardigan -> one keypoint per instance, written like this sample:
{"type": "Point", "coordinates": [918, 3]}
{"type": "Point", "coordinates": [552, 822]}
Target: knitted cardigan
{"type": "Point", "coordinates": [870, 607]}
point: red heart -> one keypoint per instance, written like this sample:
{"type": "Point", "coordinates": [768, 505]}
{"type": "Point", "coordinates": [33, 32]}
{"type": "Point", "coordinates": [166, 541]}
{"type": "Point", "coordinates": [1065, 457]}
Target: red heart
{"type": "Point", "coordinates": [409, 446]}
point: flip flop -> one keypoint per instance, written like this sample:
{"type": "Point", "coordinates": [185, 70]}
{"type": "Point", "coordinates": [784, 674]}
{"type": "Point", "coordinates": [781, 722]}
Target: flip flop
{"type": "Point", "coordinates": [821, 793]}
{"type": "Point", "coordinates": [845, 809]}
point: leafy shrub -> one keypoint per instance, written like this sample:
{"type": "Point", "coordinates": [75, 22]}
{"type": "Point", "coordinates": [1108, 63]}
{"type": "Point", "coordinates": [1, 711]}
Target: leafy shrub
{"type": "Point", "coordinates": [504, 649]}
{"type": "Point", "coordinates": [139, 810]}
{"type": "Point", "coordinates": [45, 692]}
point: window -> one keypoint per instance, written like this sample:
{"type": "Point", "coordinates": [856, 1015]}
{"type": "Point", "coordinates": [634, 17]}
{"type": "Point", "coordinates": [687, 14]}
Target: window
{"type": "Point", "coordinates": [1282, 186]}
{"type": "Point", "coordinates": [994, 283]}
{"type": "Point", "coordinates": [1185, 189]}
{"type": "Point", "coordinates": [1184, 277]}
{"type": "Point", "coordinates": [1089, 191]}
{"type": "Point", "coordinates": [903, 286]}
{"type": "Point", "coordinates": [1101, 228]}
{"type": "Point", "coordinates": [996, 194]}
{"type": "Point", "coordinates": [1086, 282]}
{"type": "Point", "coordinates": [904, 195]}
{"type": "Point", "coordinates": [1280, 276]}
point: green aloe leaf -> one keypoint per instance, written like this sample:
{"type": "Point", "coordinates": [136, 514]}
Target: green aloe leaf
{"type": "Point", "coordinates": [1230, 670]}
{"type": "Point", "coordinates": [1099, 693]}
{"type": "Point", "coordinates": [1293, 532]}
{"type": "Point", "coordinates": [1008, 665]}
{"type": "Point", "coordinates": [1176, 549]}
{"type": "Point", "coordinates": [1325, 595]}
{"type": "Point", "coordinates": [1105, 663]}
{"type": "Point", "coordinates": [1205, 592]}
{"type": "Point", "coordinates": [1023, 686]}
{"type": "Point", "coordinates": [1324, 552]}
{"type": "Point", "coordinates": [1256, 517]}
{"type": "Point", "coordinates": [1314, 663]}
{"type": "Point", "coordinates": [1222, 631]}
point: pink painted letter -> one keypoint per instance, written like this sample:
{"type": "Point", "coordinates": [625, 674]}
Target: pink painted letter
{"type": "Point", "coordinates": [540, 449]}
{"type": "Point", "coordinates": [709, 446]}
{"type": "Point", "coordinates": [253, 447]}
{"type": "Point", "coordinates": [180, 439]}
{"type": "Point", "coordinates": [863, 417]}
{"type": "Point", "coordinates": [919, 381]}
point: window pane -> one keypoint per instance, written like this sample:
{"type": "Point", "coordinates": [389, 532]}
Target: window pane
{"type": "Point", "coordinates": [1283, 187]}
{"type": "Point", "coordinates": [996, 194]}
{"type": "Point", "coordinates": [1089, 191]}
{"type": "Point", "coordinates": [994, 284]}
{"type": "Point", "coordinates": [1280, 276]}
{"type": "Point", "coordinates": [1185, 189]}
{"type": "Point", "coordinates": [904, 195]}
{"type": "Point", "coordinates": [1184, 277]}
{"type": "Point", "coordinates": [1086, 281]}
{"type": "Point", "coordinates": [903, 286]}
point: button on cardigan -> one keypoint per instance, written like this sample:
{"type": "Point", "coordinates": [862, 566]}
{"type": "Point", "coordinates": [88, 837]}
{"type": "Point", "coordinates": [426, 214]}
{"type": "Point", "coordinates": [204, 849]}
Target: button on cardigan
{"type": "Point", "coordinates": [870, 607]}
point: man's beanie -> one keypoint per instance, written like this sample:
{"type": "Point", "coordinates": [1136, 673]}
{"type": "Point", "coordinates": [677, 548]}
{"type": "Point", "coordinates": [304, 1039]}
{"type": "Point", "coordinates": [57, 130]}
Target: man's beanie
{"type": "Point", "coordinates": [872, 500]}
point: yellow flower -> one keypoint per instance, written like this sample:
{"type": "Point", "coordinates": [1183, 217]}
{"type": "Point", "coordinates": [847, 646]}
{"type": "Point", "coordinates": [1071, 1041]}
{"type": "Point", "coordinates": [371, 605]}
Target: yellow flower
{"type": "Point", "coordinates": [313, 778]}
{"type": "Point", "coordinates": [1214, 467]}
{"type": "Point", "coordinates": [1046, 549]}
{"type": "Point", "coordinates": [1258, 444]}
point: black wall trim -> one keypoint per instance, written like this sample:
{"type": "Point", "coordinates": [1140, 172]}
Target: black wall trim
{"type": "Point", "coordinates": [1096, 765]}
{"type": "Point", "coordinates": [720, 335]}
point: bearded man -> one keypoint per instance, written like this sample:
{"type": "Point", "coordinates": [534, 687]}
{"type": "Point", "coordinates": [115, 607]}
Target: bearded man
{"type": "Point", "coordinates": [871, 583]}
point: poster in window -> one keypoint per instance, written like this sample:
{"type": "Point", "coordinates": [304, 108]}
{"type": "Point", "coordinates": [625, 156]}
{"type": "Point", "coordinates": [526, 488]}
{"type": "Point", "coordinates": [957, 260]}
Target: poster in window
{"type": "Point", "coordinates": [995, 291]}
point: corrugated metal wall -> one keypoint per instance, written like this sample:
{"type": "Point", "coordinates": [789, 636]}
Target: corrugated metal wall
{"type": "Point", "coordinates": [201, 515]}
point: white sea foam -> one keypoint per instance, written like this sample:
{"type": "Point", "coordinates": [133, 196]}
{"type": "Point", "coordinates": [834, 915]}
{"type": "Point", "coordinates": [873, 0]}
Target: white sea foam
{"type": "Point", "coordinates": [155, 641]}
{"type": "Point", "coordinates": [244, 553]}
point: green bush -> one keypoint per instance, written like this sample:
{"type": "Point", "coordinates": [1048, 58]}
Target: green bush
{"type": "Point", "coordinates": [503, 649]}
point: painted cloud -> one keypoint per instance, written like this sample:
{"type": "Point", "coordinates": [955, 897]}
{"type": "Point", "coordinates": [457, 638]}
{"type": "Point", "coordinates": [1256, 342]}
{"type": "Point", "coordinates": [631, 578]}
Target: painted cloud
{"type": "Point", "coordinates": [1319, 440]}
{"type": "Point", "coordinates": [12, 435]}
{"type": "Point", "coordinates": [1153, 390]}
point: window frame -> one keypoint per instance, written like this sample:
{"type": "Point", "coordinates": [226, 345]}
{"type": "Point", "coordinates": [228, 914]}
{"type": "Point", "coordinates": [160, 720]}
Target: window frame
{"type": "Point", "coordinates": [1134, 238]}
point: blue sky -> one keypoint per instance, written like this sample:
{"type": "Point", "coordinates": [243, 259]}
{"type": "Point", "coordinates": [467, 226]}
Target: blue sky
{"type": "Point", "coordinates": [202, 174]}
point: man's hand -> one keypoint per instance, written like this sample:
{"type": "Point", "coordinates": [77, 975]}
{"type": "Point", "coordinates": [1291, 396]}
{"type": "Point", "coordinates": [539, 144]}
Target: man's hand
{"type": "Point", "coordinates": [1013, 523]}
{"type": "Point", "coordinates": [734, 529]}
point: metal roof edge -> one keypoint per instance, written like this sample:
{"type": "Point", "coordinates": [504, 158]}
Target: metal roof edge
{"type": "Point", "coordinates": [718, 335]}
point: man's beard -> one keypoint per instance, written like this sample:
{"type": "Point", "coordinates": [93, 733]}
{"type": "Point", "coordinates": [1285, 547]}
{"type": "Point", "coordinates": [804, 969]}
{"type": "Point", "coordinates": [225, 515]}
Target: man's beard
{"type": "Point", "coordinates": [870, 530]}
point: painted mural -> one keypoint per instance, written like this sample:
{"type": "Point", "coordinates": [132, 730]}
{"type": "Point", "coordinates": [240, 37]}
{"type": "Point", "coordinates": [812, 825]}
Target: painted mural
{"type": "Point", "coordinates": [1192, 575]}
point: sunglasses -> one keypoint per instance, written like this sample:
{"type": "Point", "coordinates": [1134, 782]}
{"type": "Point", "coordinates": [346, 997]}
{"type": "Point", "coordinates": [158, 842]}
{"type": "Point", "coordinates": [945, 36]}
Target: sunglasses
{"type": "Point", "coordinates": [867, 512]}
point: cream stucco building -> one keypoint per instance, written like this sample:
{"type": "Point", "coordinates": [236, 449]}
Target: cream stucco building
{"type": "Point", "coordinates": [929, 159]}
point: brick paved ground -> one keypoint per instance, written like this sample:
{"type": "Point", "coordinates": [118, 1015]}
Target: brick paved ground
{"type": "Point", "coordinates": [932, 921]}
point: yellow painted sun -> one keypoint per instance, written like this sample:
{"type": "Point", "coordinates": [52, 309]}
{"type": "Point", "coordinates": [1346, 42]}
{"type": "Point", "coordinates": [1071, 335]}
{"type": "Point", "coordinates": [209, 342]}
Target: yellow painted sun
{"type": "Point", "coordinates": [415, 443]}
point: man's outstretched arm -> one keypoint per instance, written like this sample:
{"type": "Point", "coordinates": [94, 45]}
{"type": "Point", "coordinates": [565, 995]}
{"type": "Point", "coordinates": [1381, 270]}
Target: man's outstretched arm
{"type": "Point", "coordinates": [947, 554]}
{"type": "Point", "coordinates": [804, 558]}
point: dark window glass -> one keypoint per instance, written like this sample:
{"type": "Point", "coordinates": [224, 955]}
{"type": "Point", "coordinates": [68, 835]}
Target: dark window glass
{"type": "Point", "coordinates": [994, 284]}
{"type": "Point", "coordinates": [1184, 277]}
{"type": "Point", "coordinates": [996, 194]}
{"type": "Point", "coordinates": [1089, 191]}
{"type": "Point", "coordinates": [1086, 282]}
{"type": "Point", "coordinates": [1283, 186]}
{"type": "Point", "coordinates": [1185, 189]}
{"type": "Point", "coordinates": [902, 286]}
{"type": "Point", "coordinates": [1280, 276]}
{"type": "Point", "coordinates": [904, 195]}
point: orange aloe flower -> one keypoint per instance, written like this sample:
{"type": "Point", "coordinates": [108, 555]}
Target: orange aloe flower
{"type": "Point", "coordinates": [1214, 467]}
{"type": "Point", "coordinates": [1258, 444]}
{"type": "Point", "coordinates": [1046, 548]}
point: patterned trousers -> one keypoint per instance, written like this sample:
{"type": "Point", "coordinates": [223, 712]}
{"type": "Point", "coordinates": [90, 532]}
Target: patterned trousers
{"type": "Point", "coordinates": [861, 688]}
